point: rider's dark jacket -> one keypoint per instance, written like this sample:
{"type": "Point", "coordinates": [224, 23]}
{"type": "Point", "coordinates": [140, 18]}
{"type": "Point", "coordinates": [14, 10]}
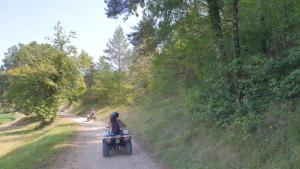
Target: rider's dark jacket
{"type": "Point", "coordinates": [115, 125]}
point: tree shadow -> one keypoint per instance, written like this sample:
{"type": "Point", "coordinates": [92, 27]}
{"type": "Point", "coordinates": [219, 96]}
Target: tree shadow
{"type": "Point", "coordinates": [19, 132]}
{"type": "Point", "coordinates": [20, 123]}
{"type": "Point", "coordinates": [23, 133]}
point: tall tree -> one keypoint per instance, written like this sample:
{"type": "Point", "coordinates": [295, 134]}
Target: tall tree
{"type": "Point", "coordinates": [214, 9]}
{"type": "Point", "coordinates": [10, 57]}
{"type": "Point", "coordinates": [237, 48]}
{"type": "Point", "coordinates": [87, 67]}
{"type": "Point", "coordinates": [117, 50]}
{"type": "Point", "coordinates": [62, 40]}
{"type": "Point", "coordinates": [264, 31]}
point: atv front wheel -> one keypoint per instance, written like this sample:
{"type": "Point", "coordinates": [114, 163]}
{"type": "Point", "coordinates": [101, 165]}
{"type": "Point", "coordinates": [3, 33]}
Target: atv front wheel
{"type": "Point", "coordinates": [128, 148]}
{"type": "Point", "coordinates": [105, 150]}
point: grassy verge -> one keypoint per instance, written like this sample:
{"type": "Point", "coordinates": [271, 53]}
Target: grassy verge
{"type": "Point", "coordinates": [185, 143]}
{"type": "Point", "coordinates": [6, 117]}
{"type": "Point", "coordinates": [182, 142]}
{"type": "Point", "coordinates": [29, 147]}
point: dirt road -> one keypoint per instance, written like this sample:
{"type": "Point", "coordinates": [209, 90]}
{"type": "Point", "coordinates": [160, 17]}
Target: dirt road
{"type": "Point", "coordinates": [86, 151]}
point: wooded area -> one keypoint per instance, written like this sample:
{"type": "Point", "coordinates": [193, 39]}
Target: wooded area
{"type": "Point", "coordinates": [227, 62]}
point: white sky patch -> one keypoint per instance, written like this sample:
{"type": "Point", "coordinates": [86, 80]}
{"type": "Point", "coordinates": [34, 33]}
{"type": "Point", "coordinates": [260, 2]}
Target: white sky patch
{"type": "Point", "coordinates": [62, 14]}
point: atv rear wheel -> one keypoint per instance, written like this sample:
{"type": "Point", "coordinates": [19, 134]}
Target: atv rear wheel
{"type": "Point", "coordinates": [128, 148]}
{"type": "Point", "coordinates": [105, 149]}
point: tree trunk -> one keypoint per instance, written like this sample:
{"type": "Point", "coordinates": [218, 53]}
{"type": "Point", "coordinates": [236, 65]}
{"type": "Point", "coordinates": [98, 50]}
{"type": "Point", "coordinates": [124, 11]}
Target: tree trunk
{"type": "Point", "coordinates": [264, 41]}
{"type": "Point", "coordinates": [214, 8]}
{"type": "Point", "coordinates": [286, 23]}
{"type": "Point", "coordinates": [237, 49]}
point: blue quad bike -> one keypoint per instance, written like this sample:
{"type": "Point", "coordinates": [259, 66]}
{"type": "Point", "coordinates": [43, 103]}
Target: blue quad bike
{"type": "Point", "coordinates": [121, 141]}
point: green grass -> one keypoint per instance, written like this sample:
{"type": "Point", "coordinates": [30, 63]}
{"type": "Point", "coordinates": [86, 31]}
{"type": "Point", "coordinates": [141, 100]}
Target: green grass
{"type": "Point", "coordinates": [6, 118]}
{"type": "Point", "coordinates": [183, 142]}
{"type": "Point", "coordinates": [186, 143]}
{"type": "Point", "coordinates": [33, 148]}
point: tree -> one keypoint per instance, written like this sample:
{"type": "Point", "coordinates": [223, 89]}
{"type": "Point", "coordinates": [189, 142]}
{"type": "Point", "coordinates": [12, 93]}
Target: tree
{"type": "Point", "coordinates": [62, 41]}
{"type": "Point", "coordinates": [87, 67]}
{"type": "Point", "coordinates": [237, 50]}
{"type": "Point", "coordinates": [117, 50]}
{"type": "Point", "coordinates": [231, 58]}
{"type": "Point", "coordinates": [214, 9]}
{"type": "Point", "coordinates": [44, 82]}
{"type": "Point", "coordinates": [10, 57]}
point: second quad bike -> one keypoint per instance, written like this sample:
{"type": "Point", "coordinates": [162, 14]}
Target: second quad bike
{"type": "Point", "coordinates": [91, 116]}
{"type": "Point", "coordinates": [121, 141]}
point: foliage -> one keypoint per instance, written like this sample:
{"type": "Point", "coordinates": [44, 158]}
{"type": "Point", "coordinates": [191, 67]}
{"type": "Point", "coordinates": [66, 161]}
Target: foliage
{"type": "Point", "coordinates": [10, 57]}
{"type": "Point", "coordinates": [109, 75]}
{"type": "Point", "coordinates": [38, 78]}
{"type": "Point", "coordinates": [87, 67]}
{"type": "Point", "coordinates": [43, 81]}
{"type": "Point", "coordinates": [62, 41]}
{"type": "Point", "coordinates": [7, 117]}
{"type": "Point", "coordinates": [117, 50]}
{"type": "Point", "coordinates": [227, 60]}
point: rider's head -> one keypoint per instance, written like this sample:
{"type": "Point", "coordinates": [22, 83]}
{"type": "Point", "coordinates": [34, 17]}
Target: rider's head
{"type": "Point", "coordinates": [114, 116]}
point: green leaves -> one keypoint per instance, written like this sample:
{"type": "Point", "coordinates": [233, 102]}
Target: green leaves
{"type": "Point", "coordinates": [117, 50]}
{"type": "Point", "coordinates": [290, 85]}
{"type": "Point", "coordinates": [43, 81]}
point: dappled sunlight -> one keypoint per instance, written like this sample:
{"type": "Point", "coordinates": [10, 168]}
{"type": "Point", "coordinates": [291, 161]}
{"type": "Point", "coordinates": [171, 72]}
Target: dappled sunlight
{"type": "Point", "coordinates": [65, 145]}
{"type": "Point", "coordinates": [81, 120]}
{"type": "Point", "coordinates": [95, 141]}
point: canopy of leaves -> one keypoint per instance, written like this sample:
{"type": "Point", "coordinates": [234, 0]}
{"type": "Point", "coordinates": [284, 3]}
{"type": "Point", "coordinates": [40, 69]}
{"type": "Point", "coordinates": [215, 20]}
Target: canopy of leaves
{"type": "Point", "coordinates": [187, 49]}
{"type": "Point", "coordinates": [43, 79]}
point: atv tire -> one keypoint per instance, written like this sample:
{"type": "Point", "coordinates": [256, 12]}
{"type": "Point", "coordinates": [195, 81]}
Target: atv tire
{"type": "Point", "coordinates": [128, 148]}
{"type": "Point", "coordinates": [105, 150]}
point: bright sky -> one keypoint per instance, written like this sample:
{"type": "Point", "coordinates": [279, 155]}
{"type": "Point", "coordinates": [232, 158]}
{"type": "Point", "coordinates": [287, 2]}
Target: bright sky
{"type": "Point", "coordinates": [23, 21]}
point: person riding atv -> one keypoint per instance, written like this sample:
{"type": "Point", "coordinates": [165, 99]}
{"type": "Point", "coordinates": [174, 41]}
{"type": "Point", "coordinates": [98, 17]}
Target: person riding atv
{"type": "Point", "coordinates": [116, 137]}
{"type": "Point", "coordinates": [91, 115]}
{"type": "Point", "coordinates": [115, 124]}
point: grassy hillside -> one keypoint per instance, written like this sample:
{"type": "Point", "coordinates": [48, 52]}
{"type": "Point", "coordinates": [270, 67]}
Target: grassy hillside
{"type": "Point", "coordinates": [28, 147]}
{"type": "Point", "coordinates": [167, 131]}
{"type": "Point", "coordinates": [185, 143]}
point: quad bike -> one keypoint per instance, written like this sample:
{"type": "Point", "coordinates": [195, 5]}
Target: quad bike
{"type": "Point", "coordinates": [121, 141]}
{"type": "Point", "coordinates": [91, 116]}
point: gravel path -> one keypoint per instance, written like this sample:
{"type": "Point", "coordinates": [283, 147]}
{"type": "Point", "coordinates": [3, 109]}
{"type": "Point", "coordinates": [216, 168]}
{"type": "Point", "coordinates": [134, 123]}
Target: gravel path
{"type": "Point", "coordinates": [86, 151]}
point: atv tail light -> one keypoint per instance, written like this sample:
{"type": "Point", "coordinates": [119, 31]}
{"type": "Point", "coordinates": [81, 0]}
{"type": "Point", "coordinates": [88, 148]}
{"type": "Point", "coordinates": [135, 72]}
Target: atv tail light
{"type": "Point", "coordinates": [126, 138]}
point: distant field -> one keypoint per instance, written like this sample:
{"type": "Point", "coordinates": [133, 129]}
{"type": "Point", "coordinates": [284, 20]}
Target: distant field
{"type": "Point", "coordinates": [6, 117]}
